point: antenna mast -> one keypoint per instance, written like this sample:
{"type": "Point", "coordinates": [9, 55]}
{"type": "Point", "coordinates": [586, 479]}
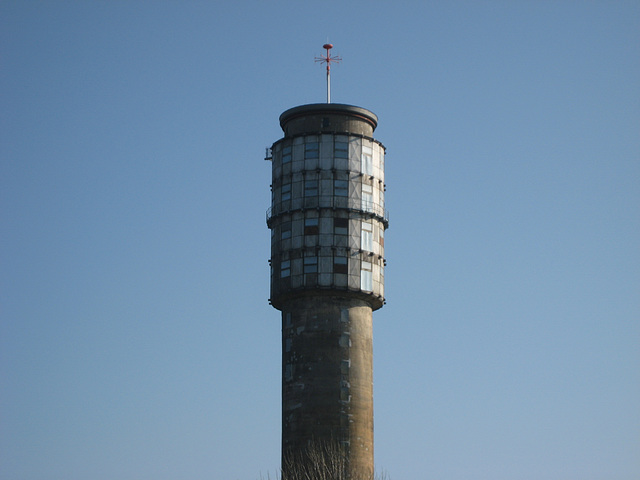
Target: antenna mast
{"type": "Point", "coordinates": [328, 59]}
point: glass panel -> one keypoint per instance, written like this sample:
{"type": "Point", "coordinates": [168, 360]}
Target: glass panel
{"type": "Point", "coordinates": [341, 226]}
{"type": "Point", "coordinates": [366, 280]}
{"type": "Point", "coordinates": [311, 188]}
{"type": "Point", "coordinates": [367, 198]}
{"type": "Point", "coordinates": [311, 150]}
{"type": "Point", "coordinates": [286, 154]}
{"type": "Point", "coordinates": [286, 231]}
{"type": "Point", "coordinates": [285, 194]}
{"type": "Point", "coordinates": [367, 237]}
{"type": "Point", "coordinates": [310, 264]}
{"type": "Point", "coordinates": [340, 265]}
{"type": "Point", "coordinates": [285, 268]}
{"type": "Point", "coordinates": [311, 226]}
{"type": "Point", "coordinates": [341, 150]}
{"type": "Point", "coordinates": [367, 160]}
{"type": "Point", "coordinates": [341, 188]}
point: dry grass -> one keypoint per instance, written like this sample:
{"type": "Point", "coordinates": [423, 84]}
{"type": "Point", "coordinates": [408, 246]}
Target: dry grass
{"type": "Point", "coordinates": [322, 461]}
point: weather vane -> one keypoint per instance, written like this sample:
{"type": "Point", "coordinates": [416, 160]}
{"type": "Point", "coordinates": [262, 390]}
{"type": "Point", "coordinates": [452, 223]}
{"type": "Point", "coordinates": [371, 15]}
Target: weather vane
{"type": "Point", "coordinates": [328, 59]}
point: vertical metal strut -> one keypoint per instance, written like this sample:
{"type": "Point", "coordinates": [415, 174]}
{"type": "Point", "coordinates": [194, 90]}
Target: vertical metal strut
{"type": "Point", "coordinates": [328, 59]}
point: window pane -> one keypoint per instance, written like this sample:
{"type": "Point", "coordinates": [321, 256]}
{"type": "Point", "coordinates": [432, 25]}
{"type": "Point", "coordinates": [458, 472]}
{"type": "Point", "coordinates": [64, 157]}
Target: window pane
{"type": "Point", "coordinates": [367, 160]}
{"type": "Point", "coordinates": [310, 264]}
{"type": "Point", "coordinates": [311, 188]}
{"type": "Point", "coordinates": [341, 226]}
{"type": "Point", "coordinates": [286, 230]}
{"type": "Point", "coordinates": [367, 198]}
{"type": "Point", "coordinates": [341, 150]}
{"type": "Point", "coordinates": [311, 150]}
{"type": "Point", "coordinates": [286, 154]}
{"type": "Point", "coordinates": [285, 268]}
{"type": "Point", "coordinates": [340, 264]}
{"type": "Point", "coordinates": [311, 226]}
{"type": "Point", "coordinates": [367, 237]}
{"type": "Point", "coordinates": [341, 188]}
{"type": "Point", "coordinates": [366, 280]}
{"type": "Point", "coordinates": [286, 192]}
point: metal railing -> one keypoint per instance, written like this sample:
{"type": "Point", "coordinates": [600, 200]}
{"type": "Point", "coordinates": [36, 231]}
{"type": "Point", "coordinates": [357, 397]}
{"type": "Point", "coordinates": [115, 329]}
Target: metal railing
{"type": "Point", "coordinates": [329, 201]}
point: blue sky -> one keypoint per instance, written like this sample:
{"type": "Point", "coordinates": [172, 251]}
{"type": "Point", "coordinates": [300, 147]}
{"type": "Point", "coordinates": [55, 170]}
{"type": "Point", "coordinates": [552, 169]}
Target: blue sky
{"type": "Point", "coordinates": [136, 341]}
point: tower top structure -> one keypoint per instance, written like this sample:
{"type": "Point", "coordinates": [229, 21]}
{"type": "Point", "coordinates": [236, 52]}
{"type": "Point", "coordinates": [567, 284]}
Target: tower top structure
{"type": "Point", "coordinates": [328, 59]}
{"type": "Point", "coordinates": [328, 118]}
{"type": "Point", "coordinates": [328, 166]}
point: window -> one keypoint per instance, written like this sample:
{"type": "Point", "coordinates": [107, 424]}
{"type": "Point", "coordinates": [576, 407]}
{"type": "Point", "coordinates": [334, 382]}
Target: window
{"type": "Point", "coordinates": [311, 226]}
{"type": "Point", "coordinates": [344, 367]}
{"type": "Point", "coordinates": [367, 198]}
{"type": "Point", "coordinates": [344, 393]}
{"type": "Point", "coordinates": [341, 226]}
{"type": "Point", "coordinates": [286, 231]}
{"type": "Point", "coordinates": [381, 239]}
{"type": "Point", "coordinates": [286, 154]}
{"type": "Point", "coordinates": [340, 264]}
{"type": "Point", "coordinates": [341, 188]}
{"type": "Point", "coordinates": [341, 150]}
{"type": "Point", "coordinates": [285, 268]}
{"type": "Point", "coordinates": [310, 264]}
{"type": "Point", "coordinates": [311, 150]}
{"type": "Point", "coordinates": [367, 160]}
{"type": "Point", "coordinates": [367, 237]}
{"type": "Point", "coordinates": [366, 278]}
{"type": "Point", "coordinates": [311, 188]}
{"type": "Point", "coordinates": [285, 193]}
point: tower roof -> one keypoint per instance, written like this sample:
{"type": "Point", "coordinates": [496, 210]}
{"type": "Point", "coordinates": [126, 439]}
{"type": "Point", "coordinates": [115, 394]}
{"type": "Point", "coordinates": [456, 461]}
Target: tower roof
{"type": "Point", "coordinates": [329, 110]}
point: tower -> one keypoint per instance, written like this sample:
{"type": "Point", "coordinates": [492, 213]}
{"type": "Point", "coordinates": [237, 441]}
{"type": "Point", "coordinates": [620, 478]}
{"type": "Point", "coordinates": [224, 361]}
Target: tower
{"type": "Point", "coordinates": [327, 222]}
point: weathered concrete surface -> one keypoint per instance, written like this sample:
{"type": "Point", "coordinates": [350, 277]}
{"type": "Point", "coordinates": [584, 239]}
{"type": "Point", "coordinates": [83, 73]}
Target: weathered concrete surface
{"type": "Point", "coordinates": [327, 377]}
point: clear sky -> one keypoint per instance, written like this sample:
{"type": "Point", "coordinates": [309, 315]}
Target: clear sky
{"type": "Point", "coordinates": [136, 341]}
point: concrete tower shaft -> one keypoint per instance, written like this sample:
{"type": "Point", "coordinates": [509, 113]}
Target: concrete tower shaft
{"type": "Point", "coordinates": [327, 221]}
